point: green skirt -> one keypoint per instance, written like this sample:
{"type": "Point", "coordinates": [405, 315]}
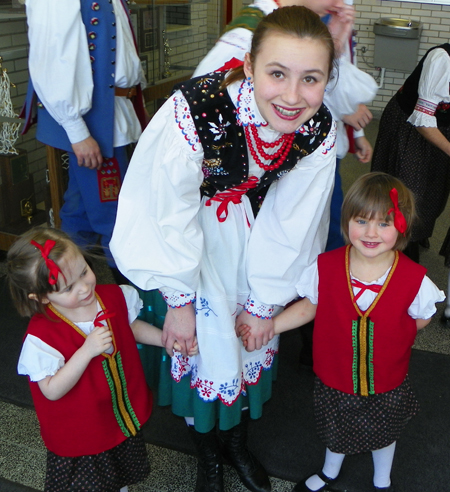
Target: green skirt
{"type": "Point", "coordinates": [184, 400]}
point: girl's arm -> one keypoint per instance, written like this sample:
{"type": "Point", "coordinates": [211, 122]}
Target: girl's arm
{"type": "Point", "coordinates": [55, 387]}
{"type": "Point", "coordinates": [421, 323]}
{"type": "Point", "coordinates": [298, 314]}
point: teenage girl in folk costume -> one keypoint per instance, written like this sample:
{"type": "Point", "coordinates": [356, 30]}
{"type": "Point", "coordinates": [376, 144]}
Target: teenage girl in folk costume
{"type": "Point", "coordinates": [84, 369]}
{"type": "Point", "coordinates": [193, 222]}
{"type": "Point", "coordinates": [368, 300]}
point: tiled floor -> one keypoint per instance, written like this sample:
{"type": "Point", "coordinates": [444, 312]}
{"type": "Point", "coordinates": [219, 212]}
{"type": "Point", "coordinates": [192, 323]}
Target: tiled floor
{"type": "Point", "coordinates": [22, 459]}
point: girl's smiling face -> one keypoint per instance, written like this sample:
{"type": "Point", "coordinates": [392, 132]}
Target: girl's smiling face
{"type": "Point", "coordinates": [289, 76]}
{"type": "Point", "coordinates": [372, 238]}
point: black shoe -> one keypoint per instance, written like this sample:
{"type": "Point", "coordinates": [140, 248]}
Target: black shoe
{"type": "Point", "coordinates": [209, 464]}
{"type": "Point", "coordinates": [302, 487]}
{"type": "Point", "coordinates": [234, 444]}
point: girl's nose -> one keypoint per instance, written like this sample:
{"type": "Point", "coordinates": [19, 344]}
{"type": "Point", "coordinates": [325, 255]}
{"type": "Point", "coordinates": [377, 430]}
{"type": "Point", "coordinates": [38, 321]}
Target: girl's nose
{"type": "Point", "coordinates": [371, 229]}
{"type": "Point", "coordinates": [292, 95]}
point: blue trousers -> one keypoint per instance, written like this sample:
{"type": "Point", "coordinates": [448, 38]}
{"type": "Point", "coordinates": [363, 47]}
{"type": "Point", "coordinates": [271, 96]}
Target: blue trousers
{"type": "Point", "coordinates": [84, 217]}
{"type": "Point", "coordinates": [335, 239]}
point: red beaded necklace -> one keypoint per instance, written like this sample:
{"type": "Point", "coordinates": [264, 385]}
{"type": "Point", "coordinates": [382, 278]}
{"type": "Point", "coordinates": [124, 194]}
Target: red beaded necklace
{"type": "Point", "coordinates": [285, 142]}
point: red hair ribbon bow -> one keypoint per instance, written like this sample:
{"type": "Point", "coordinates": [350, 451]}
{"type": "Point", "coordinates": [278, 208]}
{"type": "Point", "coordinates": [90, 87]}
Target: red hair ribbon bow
{"type": "Point", "coordinates": [399, 219]}
{"type": "Point", "coordinates": [53, 268]}
{"type": "Point", "coordinates": [233, 63]}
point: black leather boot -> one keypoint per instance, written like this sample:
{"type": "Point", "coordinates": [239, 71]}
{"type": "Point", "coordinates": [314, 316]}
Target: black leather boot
{"type": "Point", "coordinates": [209, 461]}
{"type": "Point", "coordinates": [249, 469]}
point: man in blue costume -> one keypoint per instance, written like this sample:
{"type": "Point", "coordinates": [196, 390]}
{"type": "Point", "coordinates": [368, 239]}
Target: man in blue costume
{"type": "Point", "coordinates": [85, 94]}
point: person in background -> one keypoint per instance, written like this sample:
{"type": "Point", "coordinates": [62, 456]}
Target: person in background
{"type": "Point", "coordinates": [226, 198]}
{"type": "Point", "coordinates": [85, 94]}
{"type": "Point", "coordinates": [80, 355]}
{"type": "Point", "coordinates": [368, 300]}
{"type": "Point", "coordinates": [413, 142]}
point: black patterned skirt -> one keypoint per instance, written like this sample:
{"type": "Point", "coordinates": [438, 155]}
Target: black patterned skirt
{"type": "Point", "coordinates": [351, 424]}
{"type": "Point", "coordinates": [402, 152]}
{"type": "Point", "coordinates": [109, 471]}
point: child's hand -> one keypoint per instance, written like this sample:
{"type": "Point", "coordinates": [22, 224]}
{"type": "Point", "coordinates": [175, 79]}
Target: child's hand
{"type": "Point", "coordinates": [244, 332]}
{"type": "Point", "coordinates": [98, 341]}
{"type": "Point", "coordinates": [192, 351]}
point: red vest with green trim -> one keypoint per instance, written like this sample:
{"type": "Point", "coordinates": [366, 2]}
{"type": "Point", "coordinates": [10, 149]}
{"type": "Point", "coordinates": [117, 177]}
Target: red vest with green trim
{"type": "Point", "coordinates": [111, 400]}
{"type": "Point", "coordinates": [364, 353]}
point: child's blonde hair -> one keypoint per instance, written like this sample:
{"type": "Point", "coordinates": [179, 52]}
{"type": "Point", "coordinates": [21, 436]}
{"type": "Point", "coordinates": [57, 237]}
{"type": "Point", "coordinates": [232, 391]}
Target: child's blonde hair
{"type": "Point", "coordinates": [27, 271]}
{"type": "Point", "coordinates": [369, 196]}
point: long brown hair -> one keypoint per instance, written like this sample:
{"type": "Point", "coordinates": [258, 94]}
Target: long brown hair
{"type": "Point", "coordinates": [295, 21]}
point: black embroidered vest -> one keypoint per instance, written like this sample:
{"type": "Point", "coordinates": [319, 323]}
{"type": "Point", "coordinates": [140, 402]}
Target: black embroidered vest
{"type": "Point", "coordinates": [225, 163]}
{"type": "Point", "coordinates": [407, 95]}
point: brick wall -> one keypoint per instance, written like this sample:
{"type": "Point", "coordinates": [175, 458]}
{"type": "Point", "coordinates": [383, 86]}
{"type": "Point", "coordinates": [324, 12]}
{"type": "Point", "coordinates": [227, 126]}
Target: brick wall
{"type": "Point", "coordinates": [436, 30]}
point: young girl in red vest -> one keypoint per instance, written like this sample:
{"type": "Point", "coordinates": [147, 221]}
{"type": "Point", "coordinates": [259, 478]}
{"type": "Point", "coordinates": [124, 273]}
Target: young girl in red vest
{"type": "Point", "coordinates": [368, 300]}
{"type": "Point", "coordinates": [83, 364]}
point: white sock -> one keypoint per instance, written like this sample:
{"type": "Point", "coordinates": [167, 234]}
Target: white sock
{"type": "Point", "coordinates": [331, 469]}
{"type": "Point", "coordinates": [189, 421]}
{"type": "Point", "coordinates": [382, 463]}
{"type": "Point", "coordinates": [124, 489]}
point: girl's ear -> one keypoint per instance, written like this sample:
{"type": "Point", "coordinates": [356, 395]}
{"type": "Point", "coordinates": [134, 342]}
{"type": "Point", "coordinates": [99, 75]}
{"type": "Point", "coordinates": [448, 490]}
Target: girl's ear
{"type": "Point", "coordinates": [35, 298]}
{"type": "Point", "coordinates": [248, 70]}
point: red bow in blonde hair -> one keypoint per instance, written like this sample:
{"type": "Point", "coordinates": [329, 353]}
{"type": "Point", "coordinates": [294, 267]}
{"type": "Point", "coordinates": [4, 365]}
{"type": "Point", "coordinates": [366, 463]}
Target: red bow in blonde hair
{"type": "Point", "coordinates": [53, 268]}
{"type": "Point", "coordinates": [399, 219]}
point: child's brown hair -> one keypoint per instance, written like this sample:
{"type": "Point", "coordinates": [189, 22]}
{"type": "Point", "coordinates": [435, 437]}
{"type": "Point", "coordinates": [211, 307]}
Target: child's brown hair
{"type": "Point", "coordinates": [27, 271]}
{"type": "Point", "coordinates": [369, 196]}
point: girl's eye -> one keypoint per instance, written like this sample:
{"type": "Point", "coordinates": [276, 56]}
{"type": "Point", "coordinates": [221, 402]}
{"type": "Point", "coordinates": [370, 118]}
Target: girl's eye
{"type": "Point", "coordinates": [84, 272]}
{"type": "Point", "coordinates": [310, 79]}
{"type": "Point", "coordinates": [384, 224]}
{"type": "Point", "coordinates": [360, 221]}
{"type": "Point", "coordinates": [68, 289]}
{"type": "Point", "coordinates": [277, 75]}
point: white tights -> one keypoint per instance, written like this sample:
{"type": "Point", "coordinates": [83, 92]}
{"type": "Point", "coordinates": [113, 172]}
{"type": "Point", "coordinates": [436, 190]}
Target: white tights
{"type": "Point", "coordinates": [382, 464]}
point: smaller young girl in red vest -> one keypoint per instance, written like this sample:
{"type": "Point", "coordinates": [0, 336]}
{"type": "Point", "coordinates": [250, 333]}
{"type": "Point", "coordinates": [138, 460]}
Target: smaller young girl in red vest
{"type": "Point", "coordinates": [368, 300]}
{"type": "Point", "coordinates": [85, 374]}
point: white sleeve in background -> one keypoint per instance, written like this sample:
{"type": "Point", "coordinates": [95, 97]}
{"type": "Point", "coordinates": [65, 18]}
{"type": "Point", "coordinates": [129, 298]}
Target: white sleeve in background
{"type": "Point", "coordinates": [350, 88]}
{"type": "Point", "coordinates": [157, 240]}
{"type": "Point", "coordinates": [232, 44]}
{"type": "Point", "coordinates": [292, 225]}
{"type": "Point", "coordinates": [59, 62]}
{"type": "Point", "coordinates": [433, 87]}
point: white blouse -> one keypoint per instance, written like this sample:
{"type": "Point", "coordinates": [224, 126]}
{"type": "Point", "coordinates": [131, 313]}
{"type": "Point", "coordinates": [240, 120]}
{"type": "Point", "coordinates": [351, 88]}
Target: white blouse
{"type": "Point", "coordinates": [60, 67]}
{"type": "Point", "coordinates": [433, 88]}
{"type": "Point", "coordinates": [423, 306]}
{"type": "Point", "coordinates": [158, 240]}
{"type": "Point", "coordinates": [39, 360]}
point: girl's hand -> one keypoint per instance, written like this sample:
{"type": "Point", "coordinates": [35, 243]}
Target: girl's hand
{"type": "Point", "coordinates": [179, 326]}
{"type": "Point", "coordinates": [244, 331]}
{"type": "Point", "coordinates": [98, 341]}
{"type": "Point", "coordinates": [262, 330]}
{"type": "Point", "coordinates": [341, 26]}
{"type": "Point", "coordinates": [192, 351]}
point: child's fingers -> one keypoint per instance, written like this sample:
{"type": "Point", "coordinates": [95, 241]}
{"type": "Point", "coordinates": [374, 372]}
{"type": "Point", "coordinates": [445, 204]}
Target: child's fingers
{"type": "Point", "coordinates": [176, 346]}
